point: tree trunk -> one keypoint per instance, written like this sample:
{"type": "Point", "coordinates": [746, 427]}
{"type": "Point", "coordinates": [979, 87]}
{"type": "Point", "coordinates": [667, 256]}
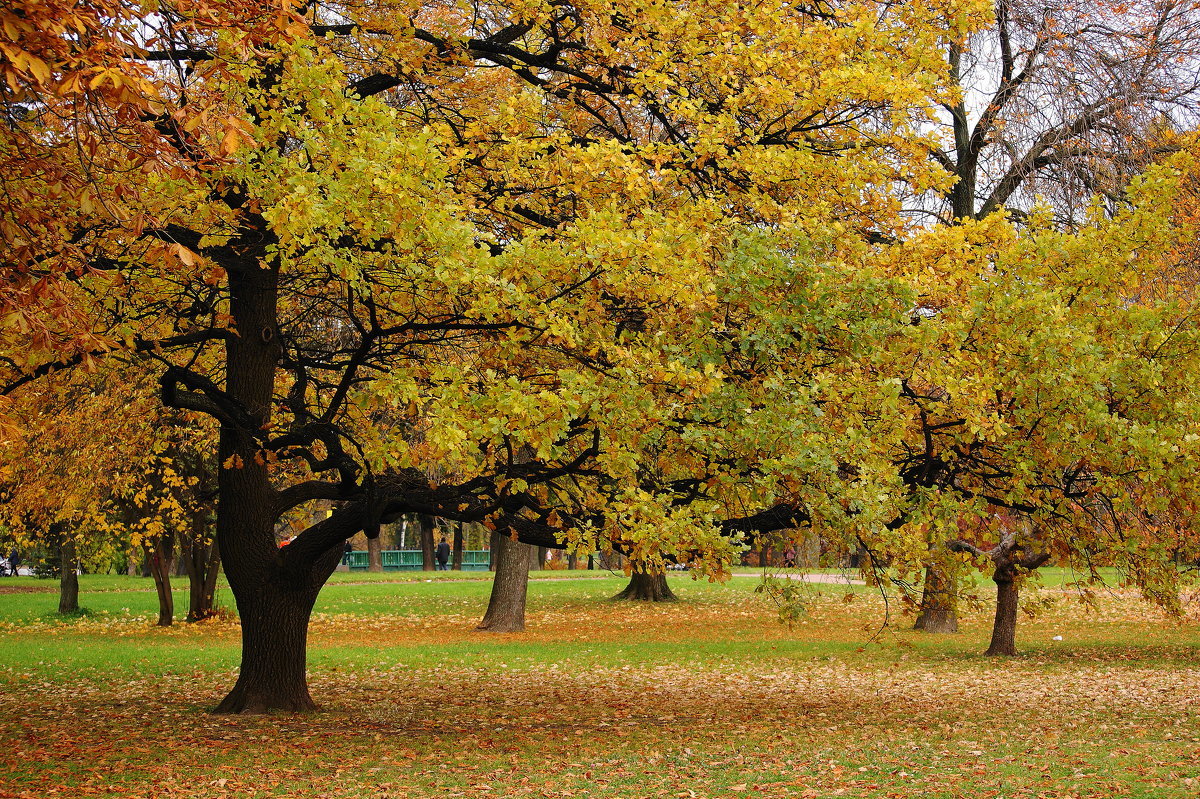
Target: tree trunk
{"type": "Point", "coordinates": [204, 564]}
{"type": "Point", "coordinates": [160, 554]}
{"type": "Point", "coordinates": [647, 588]}
{"type": "Point", "coordinates": [274, 653]}
{"type": "Point", "coordinates": [457, 555]}
{"type": "Point", "coordinates": [938, 608]}
{"type": "Point", "coordinates": [68, 582]}
{"type": "Point", "coordinates": [427, 525]}
{"type": "Point", "coordinates": [572, 561]}
{"type": "Point", "coordinates": [375, 554]}
{"type": "Point", "coordinates": [1004, 628]}
{"type": "Point", "coordinates": [493, 550]}
{"type": "Point", "coordinates": [506, 608]}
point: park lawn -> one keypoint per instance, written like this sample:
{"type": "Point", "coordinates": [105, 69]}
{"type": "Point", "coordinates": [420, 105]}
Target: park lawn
{"type": "Point", "coordinates": [709, 697]}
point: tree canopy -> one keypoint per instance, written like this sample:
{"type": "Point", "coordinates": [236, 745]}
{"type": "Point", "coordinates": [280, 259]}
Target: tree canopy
{"type": "Point", "coordinates": [638, 275]}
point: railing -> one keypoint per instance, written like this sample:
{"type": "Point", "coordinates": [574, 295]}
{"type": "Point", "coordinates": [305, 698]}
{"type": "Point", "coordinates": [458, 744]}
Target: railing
{"type": "Point", "coordinates": [398, 560]}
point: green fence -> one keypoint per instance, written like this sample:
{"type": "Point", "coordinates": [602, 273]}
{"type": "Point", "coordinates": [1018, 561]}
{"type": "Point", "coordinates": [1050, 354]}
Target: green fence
{"type": "Point", "coordinates": [403, 560]}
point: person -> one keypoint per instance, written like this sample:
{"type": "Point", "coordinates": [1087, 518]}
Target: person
{"type": "Point", "coordinates": [346, 550]}
{"type": "Point", "coordinates": [443, 555]}
{"type": "Point", "coordinates": [14, 560]}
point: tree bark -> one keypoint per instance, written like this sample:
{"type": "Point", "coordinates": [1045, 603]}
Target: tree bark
{"type": "Point", "coordinates": [457, 554]}
{"type": "Point", "coordinates": [375, 554]}
{"type": "Point", "coordinates": [1004, 628]}
{"type": "Point", "coordinates": [493, 550]}
{"type": "Point", "coordinates": [68, 581]}
{"type": "Point", "coordinates": [506, 608]}
{"type": "Point", "coordinates": [204, 564]}
{"type": "Point", "coordinates": [647, 587]}
{"type": "Point", "coordinates": [427, 559]}
{"type": "Point", "coordinates": [274, 653]}
{"type": "Point", "coordinates": [160, 553]}
{"type": "Point", "coordinates": [939, 613]}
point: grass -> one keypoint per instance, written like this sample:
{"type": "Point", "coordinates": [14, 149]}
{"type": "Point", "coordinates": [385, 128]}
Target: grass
{"type": "Point", "coordinates": [709, 697]}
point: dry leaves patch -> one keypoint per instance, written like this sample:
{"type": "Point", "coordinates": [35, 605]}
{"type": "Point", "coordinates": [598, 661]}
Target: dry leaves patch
{"type": "Point", "coordinates": [894, 720]}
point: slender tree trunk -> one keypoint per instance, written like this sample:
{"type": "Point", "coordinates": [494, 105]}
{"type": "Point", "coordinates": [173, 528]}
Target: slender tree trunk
{"type": "Point", "coordinates": [647, 588]}
{"type": "Point", "coordinates": [204, 564]}
{"type": "Point", "coordinates": [183, 563]}
{"type": "Point", "coordinates": [572, 561]}
{"type": "Point", "coordinates": [427, 559]}
{"type": "Point", "coordinates": [938, 607]}
{"type": "Point", "coordinates": [456, 562]}
{"type": "Point", "coordinates": [493, 550]}
{"type": "Point", "coordinates": [208, 597]}
{"type": "Point", "coordinates": [160, 553]}
{"type": "Point", "coordinates": [1004, 628]}
{"type": "Point", "coordinates": [68, 582]}
{"type": "Point", "coordinates": [506, 608]}
{"type": "Point", "coordinates": [375, 554]}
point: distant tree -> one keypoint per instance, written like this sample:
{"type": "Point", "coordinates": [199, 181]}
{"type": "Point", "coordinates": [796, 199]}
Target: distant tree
{"type": "Point", "coordinates": [1064, 101]}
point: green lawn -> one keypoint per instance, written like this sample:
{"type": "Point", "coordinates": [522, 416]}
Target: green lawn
{"type": "Point", "coordinates": [710, 697]}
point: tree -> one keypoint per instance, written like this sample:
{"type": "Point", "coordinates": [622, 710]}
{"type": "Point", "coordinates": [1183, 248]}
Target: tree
{"type": "Point", "coordinates": [517, 308]}
{"type": "Point", "coordinates": [1059, 101]}
{"type": "Point", "coordinates": [1064, 101]}
{"type": "Point", "coordinates": [647, 587]}
{"type": "Point", "coordinates": [506, 603]}
{"type": "Point", "coordinates": [1048, 415]}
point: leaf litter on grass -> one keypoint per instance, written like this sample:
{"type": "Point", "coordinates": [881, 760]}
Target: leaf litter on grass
{"type": "Point", "coordinates": [886, 722]}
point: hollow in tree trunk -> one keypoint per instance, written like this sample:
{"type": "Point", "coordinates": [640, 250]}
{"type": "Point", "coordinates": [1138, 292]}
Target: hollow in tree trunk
{"type": "Point", "coordinates": [939, 613]}
{"type": "Point", "coordinates": [506, 608]}
{"type": "Point", "coordinates": [374, 554]}
{"type": "Point", "coordinates": [646, 587]}
{"type": "Point", "coordinates": [68, 583]}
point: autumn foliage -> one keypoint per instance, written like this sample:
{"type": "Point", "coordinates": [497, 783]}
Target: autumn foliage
{"type": "Point", "coordinates": [642, 277]}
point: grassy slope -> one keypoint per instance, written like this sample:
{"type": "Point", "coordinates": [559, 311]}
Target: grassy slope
{"type": "Point", "coordinates": [711, 696]}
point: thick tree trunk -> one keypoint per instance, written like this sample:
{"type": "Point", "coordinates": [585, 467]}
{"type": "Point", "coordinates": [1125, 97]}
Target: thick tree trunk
{"type": "Point", "coordinates": [646, 587]}
{"type": "Point", "coordinates": [274, 653]}
{"type": "Point", "coordinates": [160, 554]}
{"type": "Point", "coordinates": [68, 582]}
{"type": "Point", "coordinates": [427, 545]}
{"type": "Point", "coordinates": [506, 608]}
{"type": "Point", "coordinates": [939, 612]}
{"type": "Point", "coordinates": [375, 554]}
{"type": "Point", "coordinates": [1004, 627]}
{"type": "Point", "coordinates": [572, 561]}
{"type": "Point", "coordinates": [456, 562]}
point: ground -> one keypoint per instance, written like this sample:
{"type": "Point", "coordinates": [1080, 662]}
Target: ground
{"type": "Point", "coordinates": [709, 697]}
